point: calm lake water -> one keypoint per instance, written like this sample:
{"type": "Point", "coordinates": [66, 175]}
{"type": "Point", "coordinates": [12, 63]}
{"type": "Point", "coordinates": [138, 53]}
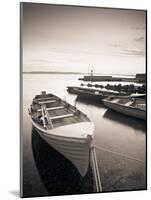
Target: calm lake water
{"type": "Point", "coordinates": [45, 172]}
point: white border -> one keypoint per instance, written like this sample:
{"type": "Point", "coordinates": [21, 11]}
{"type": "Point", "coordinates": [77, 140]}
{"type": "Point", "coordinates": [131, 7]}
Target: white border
{"type": "Point", "coordinates": [9, 101]}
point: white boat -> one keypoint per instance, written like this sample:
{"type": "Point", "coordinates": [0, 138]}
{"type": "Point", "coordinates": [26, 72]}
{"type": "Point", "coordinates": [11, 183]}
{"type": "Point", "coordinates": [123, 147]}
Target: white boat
{"type": "Point", "coordinates": [64, 127]}
{"type": "Point", "coordinates": [134, 107]}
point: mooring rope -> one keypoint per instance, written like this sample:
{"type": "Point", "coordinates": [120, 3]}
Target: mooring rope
{"type": "Point", "coordinates": [113, 152]}
{"type": "Point", "coordinates": [95, 164]}
{"type": "Point", "coordinates": [96, 170]}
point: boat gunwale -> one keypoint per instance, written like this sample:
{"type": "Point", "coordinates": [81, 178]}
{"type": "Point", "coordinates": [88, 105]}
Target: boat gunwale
{"type": "Point", "coordinates": [102, 92]}
{"type": "Point", "coordinates": [86, 139]}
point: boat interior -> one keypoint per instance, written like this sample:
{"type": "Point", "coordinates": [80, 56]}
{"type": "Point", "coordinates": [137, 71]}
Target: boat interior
{"type": "Point", "coordinates": [49, 111]}
{"type": "Point", "coordinates": [131, 102]}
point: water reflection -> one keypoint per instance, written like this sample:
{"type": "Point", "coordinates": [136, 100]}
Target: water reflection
{"type": "Point", "coordinates": [58, 174]}
{"type": "Point", "coordinates": [89, 101]}
{"type": "Point", "coordinates": [137, 124]}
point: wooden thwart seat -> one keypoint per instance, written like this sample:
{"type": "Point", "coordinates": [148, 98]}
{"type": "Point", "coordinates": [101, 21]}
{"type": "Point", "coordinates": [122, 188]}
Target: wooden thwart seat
{"type": "Point", "coordinates": [115, 100]}
{"type": "Point", "coordinates": [53, 108]}
{"type": "Point", "coordinates": [62, 116]}
{"type": "Point", "coordinates": [128, 103]}
{"type": "Point", "coordinates": [44, 98]}
{"type": "Point", "coordinates": [44, 102]}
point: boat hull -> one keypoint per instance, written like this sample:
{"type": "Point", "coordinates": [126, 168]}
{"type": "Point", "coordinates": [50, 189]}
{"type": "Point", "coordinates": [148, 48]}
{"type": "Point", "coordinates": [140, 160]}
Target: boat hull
{"type": "Point", "coordinates": [74, 149]}
{"type": "Point", "coordinates": [91, 96]}
{"type": "Point", "coordinates": [130, 111]}
{"type": "Point", "coordinates": [86, 94]}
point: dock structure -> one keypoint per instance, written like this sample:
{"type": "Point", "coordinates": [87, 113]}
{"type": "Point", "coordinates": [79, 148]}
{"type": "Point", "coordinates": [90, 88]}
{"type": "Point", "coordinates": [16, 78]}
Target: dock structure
{"type": "Point", "coordinates": [139, 78]}
{"type": "Point", "coordinates": [96, 170]}
{"type": "Point", "coordinates": [96, 78]}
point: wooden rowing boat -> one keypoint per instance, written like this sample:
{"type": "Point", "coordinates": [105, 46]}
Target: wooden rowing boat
{"type": "Point", "coordinates": [93, 94]}
{"type": "Point", "coordinates": [134, 107]}
{"type": "Point", "coordinates": [64, 127]}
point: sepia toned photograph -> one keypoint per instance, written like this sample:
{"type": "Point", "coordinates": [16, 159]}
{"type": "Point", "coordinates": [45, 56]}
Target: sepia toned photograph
{"type": "Point", "coordinates": [83, 86]}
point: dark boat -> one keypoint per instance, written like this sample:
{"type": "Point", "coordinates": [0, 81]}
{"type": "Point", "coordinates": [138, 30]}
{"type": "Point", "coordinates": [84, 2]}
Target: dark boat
{"type": "Point", "coordinates": [93, 94]}
{"type": "Point", "coordinates": [134, 107]}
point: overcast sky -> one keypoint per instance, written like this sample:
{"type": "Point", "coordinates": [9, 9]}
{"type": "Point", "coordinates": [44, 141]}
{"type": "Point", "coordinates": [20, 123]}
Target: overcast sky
{"type": "Point", "coordinates": [65, 38]}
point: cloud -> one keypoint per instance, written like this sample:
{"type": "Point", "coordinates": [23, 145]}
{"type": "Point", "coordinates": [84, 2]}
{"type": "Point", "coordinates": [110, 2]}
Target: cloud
{"type": "Point", "coordinates": [128, 50]}
{"type": "Point", "coordinates": [139, 28]}
{"type": "Point", "coordinates": [140, 39]}
{"type": "Point", "coordinates": [133, 52]}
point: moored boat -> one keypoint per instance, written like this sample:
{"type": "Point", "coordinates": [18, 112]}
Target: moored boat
{"type": "Point", "coordinates": [90, 94]}
{"type": "Point", "coordinates": [134, 107]}
{"type": "Point", "coordinates": [93, 94]}
{"type": "Point", "coordinates": [64, 127]}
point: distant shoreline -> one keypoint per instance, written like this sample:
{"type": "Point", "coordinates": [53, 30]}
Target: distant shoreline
{"type": "Point", "coordinates": [54, 73]}
{"type": "Point", "coordinates": [76, 73]}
